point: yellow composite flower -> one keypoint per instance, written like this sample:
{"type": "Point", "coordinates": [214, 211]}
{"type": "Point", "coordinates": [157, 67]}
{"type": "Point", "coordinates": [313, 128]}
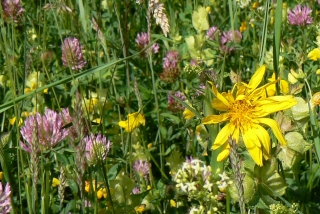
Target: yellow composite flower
{"type": "Point", "coordinates": [314, 54]}
{"type": "Point", "coordinates": [134, 120]}
{"type": "Point", "coordinates": [284, 86]}
{"type": "Point", "coordinates": [246, 108]}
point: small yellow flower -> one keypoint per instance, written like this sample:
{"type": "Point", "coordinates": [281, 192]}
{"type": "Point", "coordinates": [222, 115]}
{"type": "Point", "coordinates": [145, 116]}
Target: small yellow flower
{"type": "Point", "coordinates": [314, 54]}
{"type": "Point", "coordinates": [26, 113]}
{"type": "Point", "coordinates": [173, 203]}
{"type": "Point", "coordinates": [55, 182]}
{"type": "Point", "coordinates": [255, 5]}
{"type": "Point", "coordinates": [208, 9]}
{"type": "Point", "coordinates": [140, 208]}
{"type": "Point", "coordinates": [271, 89]}
{"type": "Point", "coordinates": [315, 100]}
{"type": "Point", "coordinates": [13, 120]}
{"type": "Point", "coordinates": [188, 114]}
{"type": "Point", "coordinates": [134, 120]}
{"type": "Point", "coordinates": [87, 186]}
{"type": "Point", "coordinates": [97, 120]}
{"type": "Point", "coordinates": [243, 26]}
{"type": "Point", "coordinates": [1, 176]}
{"type": "Point", "coordinates": [150, 145]}
{"type": "Point", "coordinates": [148, 187]}
{"type": "Point", "coordinates": [100, 194]}
{"type": "Point", "coordinates": [246, 108]}
{"type": "Point", "coordinates": [318, 71]}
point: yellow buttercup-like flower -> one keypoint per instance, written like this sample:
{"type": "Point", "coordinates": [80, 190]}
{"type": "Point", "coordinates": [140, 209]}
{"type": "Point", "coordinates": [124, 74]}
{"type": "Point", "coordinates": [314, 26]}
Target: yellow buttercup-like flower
{"type": "Point", "coordinates": [134, 120]}
{"type": "Point", "coordinates": [284, 86]}
{"type": "Point", "coordinates": [314, 54]}
{"type": "Point", "coordinates": [55, 182]}
{"type": "Point", "coordinates": [246, 108]}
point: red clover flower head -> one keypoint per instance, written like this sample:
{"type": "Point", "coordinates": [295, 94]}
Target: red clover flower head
{"type": "Point", "coordinates": [72, 54]}
{"type": "Point", "coordinates": [142, 41]}
{"type": "Point", "coordinates": [97, 148]}
{"type": "Point", "coordinates": [12, 9]}
{"type": "Point", "coordinates": [211, 33]}
{"type": "Point", "coordinates": [48, 127]}
{"type": "Point", "coordinates": [228, 37]}
{"type": "Point", "coordinates": [300, 16]}
{"type": "Point", "coordinates": [171, 69]}
{"type": "Point", "coordinates": [142, 168]}
{"type": "Point", "coordinates": [174, 105]}
{"type": "Point", "coordinates": [5, 201]}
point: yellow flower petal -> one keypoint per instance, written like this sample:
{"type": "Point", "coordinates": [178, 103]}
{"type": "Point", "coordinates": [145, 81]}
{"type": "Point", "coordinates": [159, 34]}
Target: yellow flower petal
{"type": "Point", "coordinates": [275, 128]}
{"type": "Point", "coordinates": [188, 114]}
{"type": "Point", "coordinates": [218, 95]}
{"type": "Point", "coordinates": [219, 105]}
{"type": "Point", "coordinates": [314, 54]}
{"type": "Point", "coordinates": [255, 152]}
{"type": "Point", "coordinates": [284, 87]}
{"type": "Point", "coordinates": [223, 135]}
{"type": "Point", "coordinates": [257, 78]}
{"type": "Point", "coordinates": [264, 138]}
{"type": "Point", "coordinates": [276, 103]}
{"type": "Point", "coordinates": [213, 119]}
{"type": "Point", "coordinates": [224, 153]}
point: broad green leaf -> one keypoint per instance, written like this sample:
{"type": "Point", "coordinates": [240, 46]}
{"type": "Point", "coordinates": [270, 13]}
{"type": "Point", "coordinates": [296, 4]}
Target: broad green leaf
{"type": "Point", "coordinates": [269, 178]}
{"type": "Point", "coordinates": [301, 110]}
{"type": "Point", "coordinates": [114, 171]}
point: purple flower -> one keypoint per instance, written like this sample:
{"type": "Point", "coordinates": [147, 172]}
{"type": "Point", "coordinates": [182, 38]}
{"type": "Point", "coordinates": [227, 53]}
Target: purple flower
{"type": "Point", "coordinates": [228, 37]}
{"type": "Point", "coordinates": [318, 2]}
{"type": "Point", "coordinates": [97, 148]}
{"type": "Point", "coordinates": [300, 16]}
{"type": "Point", "coordinates": [12, 9]}
{"type": "Point", "coordinates": [171, 69]}
{"type": "Point", "coordinates": [142, 168]}
{"type": "Point", "coordinates": [135, 191]}
{"type": "Point", "coordinates": [48, 130]}
{"type": "Point", "coordinates": [5, 201]}
{"type": "Point", "coordinates": [174, 105]}
{"type": "Point", "coordinates": [211, 33]}
{"type": "Point", "coordinates": [72, 53]}
{"type": "Point", "coordinates": [142, 41]}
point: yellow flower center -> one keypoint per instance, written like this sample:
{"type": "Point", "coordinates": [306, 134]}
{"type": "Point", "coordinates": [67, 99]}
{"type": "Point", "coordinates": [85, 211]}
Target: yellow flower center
{"type": "Point", "coordinates": [240, 113]}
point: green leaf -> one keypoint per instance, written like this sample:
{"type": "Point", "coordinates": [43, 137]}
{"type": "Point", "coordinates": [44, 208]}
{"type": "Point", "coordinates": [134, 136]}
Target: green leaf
{"type": "Point", "coordinates": [73, 186]}
{"type": "Point", "coordinates": [114, 171]}
{"type": "Point", "coordinates": [269, 178]}
{"type": "Point", "coordinates": [301, 110]}
{"type": "Point", "coordinates": [171, 117]}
